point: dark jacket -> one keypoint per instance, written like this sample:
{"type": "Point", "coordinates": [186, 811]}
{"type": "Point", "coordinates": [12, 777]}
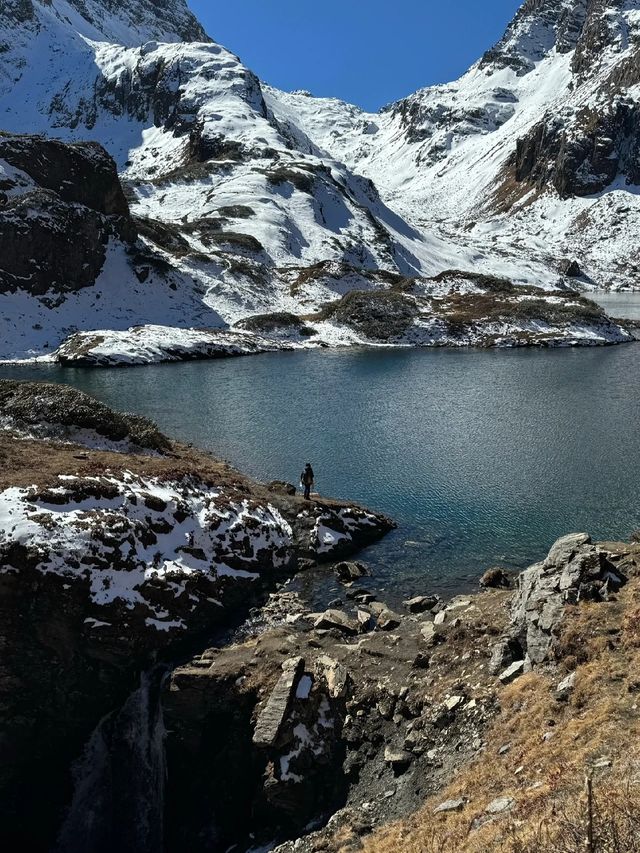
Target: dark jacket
{"type": "Point", "coordinates": [307, 476]}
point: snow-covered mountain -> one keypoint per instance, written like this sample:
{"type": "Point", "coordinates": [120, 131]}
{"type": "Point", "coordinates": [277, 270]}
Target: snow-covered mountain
{"type": "Point", "coordinates": [261, 202]}
{"type": "Point", "coordinates": [532, 157]}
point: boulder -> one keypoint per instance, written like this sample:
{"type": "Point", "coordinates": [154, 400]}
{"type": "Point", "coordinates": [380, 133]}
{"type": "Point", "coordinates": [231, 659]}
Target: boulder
{"type": "Point", "coordinates": [277, 707]}
{"type": "Point", "coordinates": [454, 702]}
{"type": "Point", "coordinates": [279, 487]}
{"type": "Point", "coordinates": [575, 569]}
{"type": "Point", "coordinates": [429, 634]}
{"type": "Point", "coordinates": [335, 675]}
{"type": "Point", "coordinates": [565, 687]}
{"type": "Point", "coordinates": [337, 619]}
{"type": "Point", "coordinates": [349, 571]}
{"type": "Point", "coordinates": [388, 621]}
{"type": "Point", "coordinates": [570, 268]}
{"type": "Point", "coordinates": [512, 672]}
{"type": "Point", "coordinates": [495, 578]}
{"type": "Point", "coordinates": [504, 653]}
{"type": "Point", "coordinates": [421, 603]}
{"type": "Point", "coordinates": [364, 619]}
{"type": "Point", "coordinates": [454, 805]}
{"type": "Point", "coordinates": [500, 805]}
{"type": "Point", "coordinates": [399, 759]}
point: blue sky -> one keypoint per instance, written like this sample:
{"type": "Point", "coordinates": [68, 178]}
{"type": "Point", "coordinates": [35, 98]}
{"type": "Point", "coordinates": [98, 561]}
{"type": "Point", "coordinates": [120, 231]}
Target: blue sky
{"type": "Point", "coordinates": [368, 52]}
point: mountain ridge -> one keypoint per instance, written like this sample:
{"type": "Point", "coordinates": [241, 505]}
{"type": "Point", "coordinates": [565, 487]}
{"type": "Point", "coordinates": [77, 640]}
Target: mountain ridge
{"type": "Point", "coordinates": [509, 171]}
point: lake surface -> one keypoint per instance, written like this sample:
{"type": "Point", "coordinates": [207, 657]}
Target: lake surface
{"type": "Point", "coordinates": [621, 305]}
{"type": "Point", "coordinates": [482, 457]}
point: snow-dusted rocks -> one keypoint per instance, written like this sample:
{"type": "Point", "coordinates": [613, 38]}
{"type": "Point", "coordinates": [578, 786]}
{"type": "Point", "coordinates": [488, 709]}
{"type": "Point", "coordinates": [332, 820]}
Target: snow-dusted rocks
{"type": "Point", "coordinates": [118, 548]}
{"type": "Point", "coordinates": [59, 412]}
{"type": "Point", "coordinates": [161, 550]}
{"type": "Point", "coordinates": [154, 344]}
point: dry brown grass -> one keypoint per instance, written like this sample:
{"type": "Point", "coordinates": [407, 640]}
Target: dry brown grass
{"type": "Point", "coordinates": [554, 745]}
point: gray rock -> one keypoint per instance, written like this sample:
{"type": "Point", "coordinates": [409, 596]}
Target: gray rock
{"type": "Point", "coordinates": [495, 578]}
{"type": "Point", "coordinates": [504, 653]}
{"type": "Point", "coordinates": [574, 569]}
{"type": "Point", "coordinates": [421, 603]}
{"type": "Point", "coordinates": [388, 621]}
{"type": "Point", "coordinates": [349, 571]}
{"type": "Point", "coordinates": [440, 618]}
{"type": "Point", "coordinates": [454, 702]}
{"type": "Point", "coordinates": [335, 675]}
{"type": "Point", "coordinates": [277, 707]}
{"type": "Point", "coordinates": [565, 688]}
{"type": "Point", "coordinates": [511, 673]}
{"type": "Point", "coordinates": [570, 268]}
{"type": "Point", "coordinates": [364, 619]}
{"type": "Point", "coordinates": [564, 549]}
{"type": "Point", "coordinates": [459, 604]}
{"type": "Point", "coordinates": [397, 758]}
{"type": "Point", "coordinates": [500, 805]}
{"type": "Point", "coordinates": [451, 806]}
{"type": "Point", "coordinates": [337, 619]}
{"type": "Point", "coordinates": [428, 631]}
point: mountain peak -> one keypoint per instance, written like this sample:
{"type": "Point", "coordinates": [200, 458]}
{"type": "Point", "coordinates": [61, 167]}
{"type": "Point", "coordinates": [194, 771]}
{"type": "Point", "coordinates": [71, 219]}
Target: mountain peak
{"type": "Point", "coordinates": [127, 22]}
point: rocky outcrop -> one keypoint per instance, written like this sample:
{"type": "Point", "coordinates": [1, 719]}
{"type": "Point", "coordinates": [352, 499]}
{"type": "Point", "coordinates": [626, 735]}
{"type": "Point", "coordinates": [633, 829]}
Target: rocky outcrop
{"type": "Point", "coordinates": [39, 410]}
{"type": "Point", "coordinates": [78, 173]}
{"type": "Point", "coordinates": [574, 570]}
{"type": "Point", "coordinates": [317, 721]}
{"type": "Point", "coordinates": [63, 205]}
{"type": "Point", "coordinates": [168, 20]}
{"type": "Point", "coordinates": [581, 154]}
{"type": "Point", "coordinates": [456, 308]}
{"type": "Point", "coordinates": [117, 546]}
{"type": "Point", "coordinates": [157, 344]}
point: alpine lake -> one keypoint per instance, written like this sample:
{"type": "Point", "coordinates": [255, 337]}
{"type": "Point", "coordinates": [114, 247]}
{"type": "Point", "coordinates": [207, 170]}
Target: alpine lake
{"type": "Point", "coordinates": [482, 457]}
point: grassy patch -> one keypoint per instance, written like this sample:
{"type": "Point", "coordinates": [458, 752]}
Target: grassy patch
{"type": "Point", "coordinates": [377, 316]}
{"type": "Point", "coordinates": [283, 320]}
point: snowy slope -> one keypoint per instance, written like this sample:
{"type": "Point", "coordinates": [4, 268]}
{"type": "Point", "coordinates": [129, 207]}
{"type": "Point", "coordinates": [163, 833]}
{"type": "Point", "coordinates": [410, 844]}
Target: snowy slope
{"type": "Point", "coordinates": [232, 193]}
{"type": "Point", "coordinates": [262, 202]}
{"type": "Point", "coordinates": [450, 158]}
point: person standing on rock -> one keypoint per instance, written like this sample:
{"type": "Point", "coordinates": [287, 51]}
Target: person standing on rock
{"type": "Point", "coordinates": [307, 478]}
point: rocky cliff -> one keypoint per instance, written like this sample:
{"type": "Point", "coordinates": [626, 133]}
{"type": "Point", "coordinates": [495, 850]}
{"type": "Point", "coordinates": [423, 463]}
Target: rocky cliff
{"type": "Point", "coordinates": [119, 547]}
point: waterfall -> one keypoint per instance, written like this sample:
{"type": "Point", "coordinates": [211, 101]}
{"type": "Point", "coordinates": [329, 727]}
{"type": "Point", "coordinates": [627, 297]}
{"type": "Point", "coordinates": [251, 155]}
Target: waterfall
{"type": "Point", "coordinates": [118, 797]}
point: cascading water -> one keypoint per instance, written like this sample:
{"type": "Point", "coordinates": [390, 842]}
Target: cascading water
{"type": "Point", "coordinates": [118, 798]}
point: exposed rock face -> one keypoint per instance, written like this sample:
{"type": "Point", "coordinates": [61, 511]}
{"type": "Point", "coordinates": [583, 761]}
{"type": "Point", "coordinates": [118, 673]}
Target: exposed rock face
{"type": "Point", "coordinates": [305, 721]}
{"type": "Point", "coordinates": [582, 154]}
{"type": "Point", "coordinates": [64, 203]}
{"type": "Point", "coordinates": [575, 569]}
{"type": "Point", "coordinates": [167, 20]}
{"type": "Point", "coordinates": [81, 174]}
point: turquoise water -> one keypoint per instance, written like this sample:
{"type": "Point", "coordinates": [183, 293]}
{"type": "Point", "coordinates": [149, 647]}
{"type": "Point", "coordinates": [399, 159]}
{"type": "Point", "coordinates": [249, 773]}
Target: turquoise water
{"type": "Point", "coordinates": [482, 457]}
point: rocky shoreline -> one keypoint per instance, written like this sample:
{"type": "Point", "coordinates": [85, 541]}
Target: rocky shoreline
{"type": "Point", "coordinates": [163, 688]}
{"type": "Point", "coordinates": [119, 547]}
